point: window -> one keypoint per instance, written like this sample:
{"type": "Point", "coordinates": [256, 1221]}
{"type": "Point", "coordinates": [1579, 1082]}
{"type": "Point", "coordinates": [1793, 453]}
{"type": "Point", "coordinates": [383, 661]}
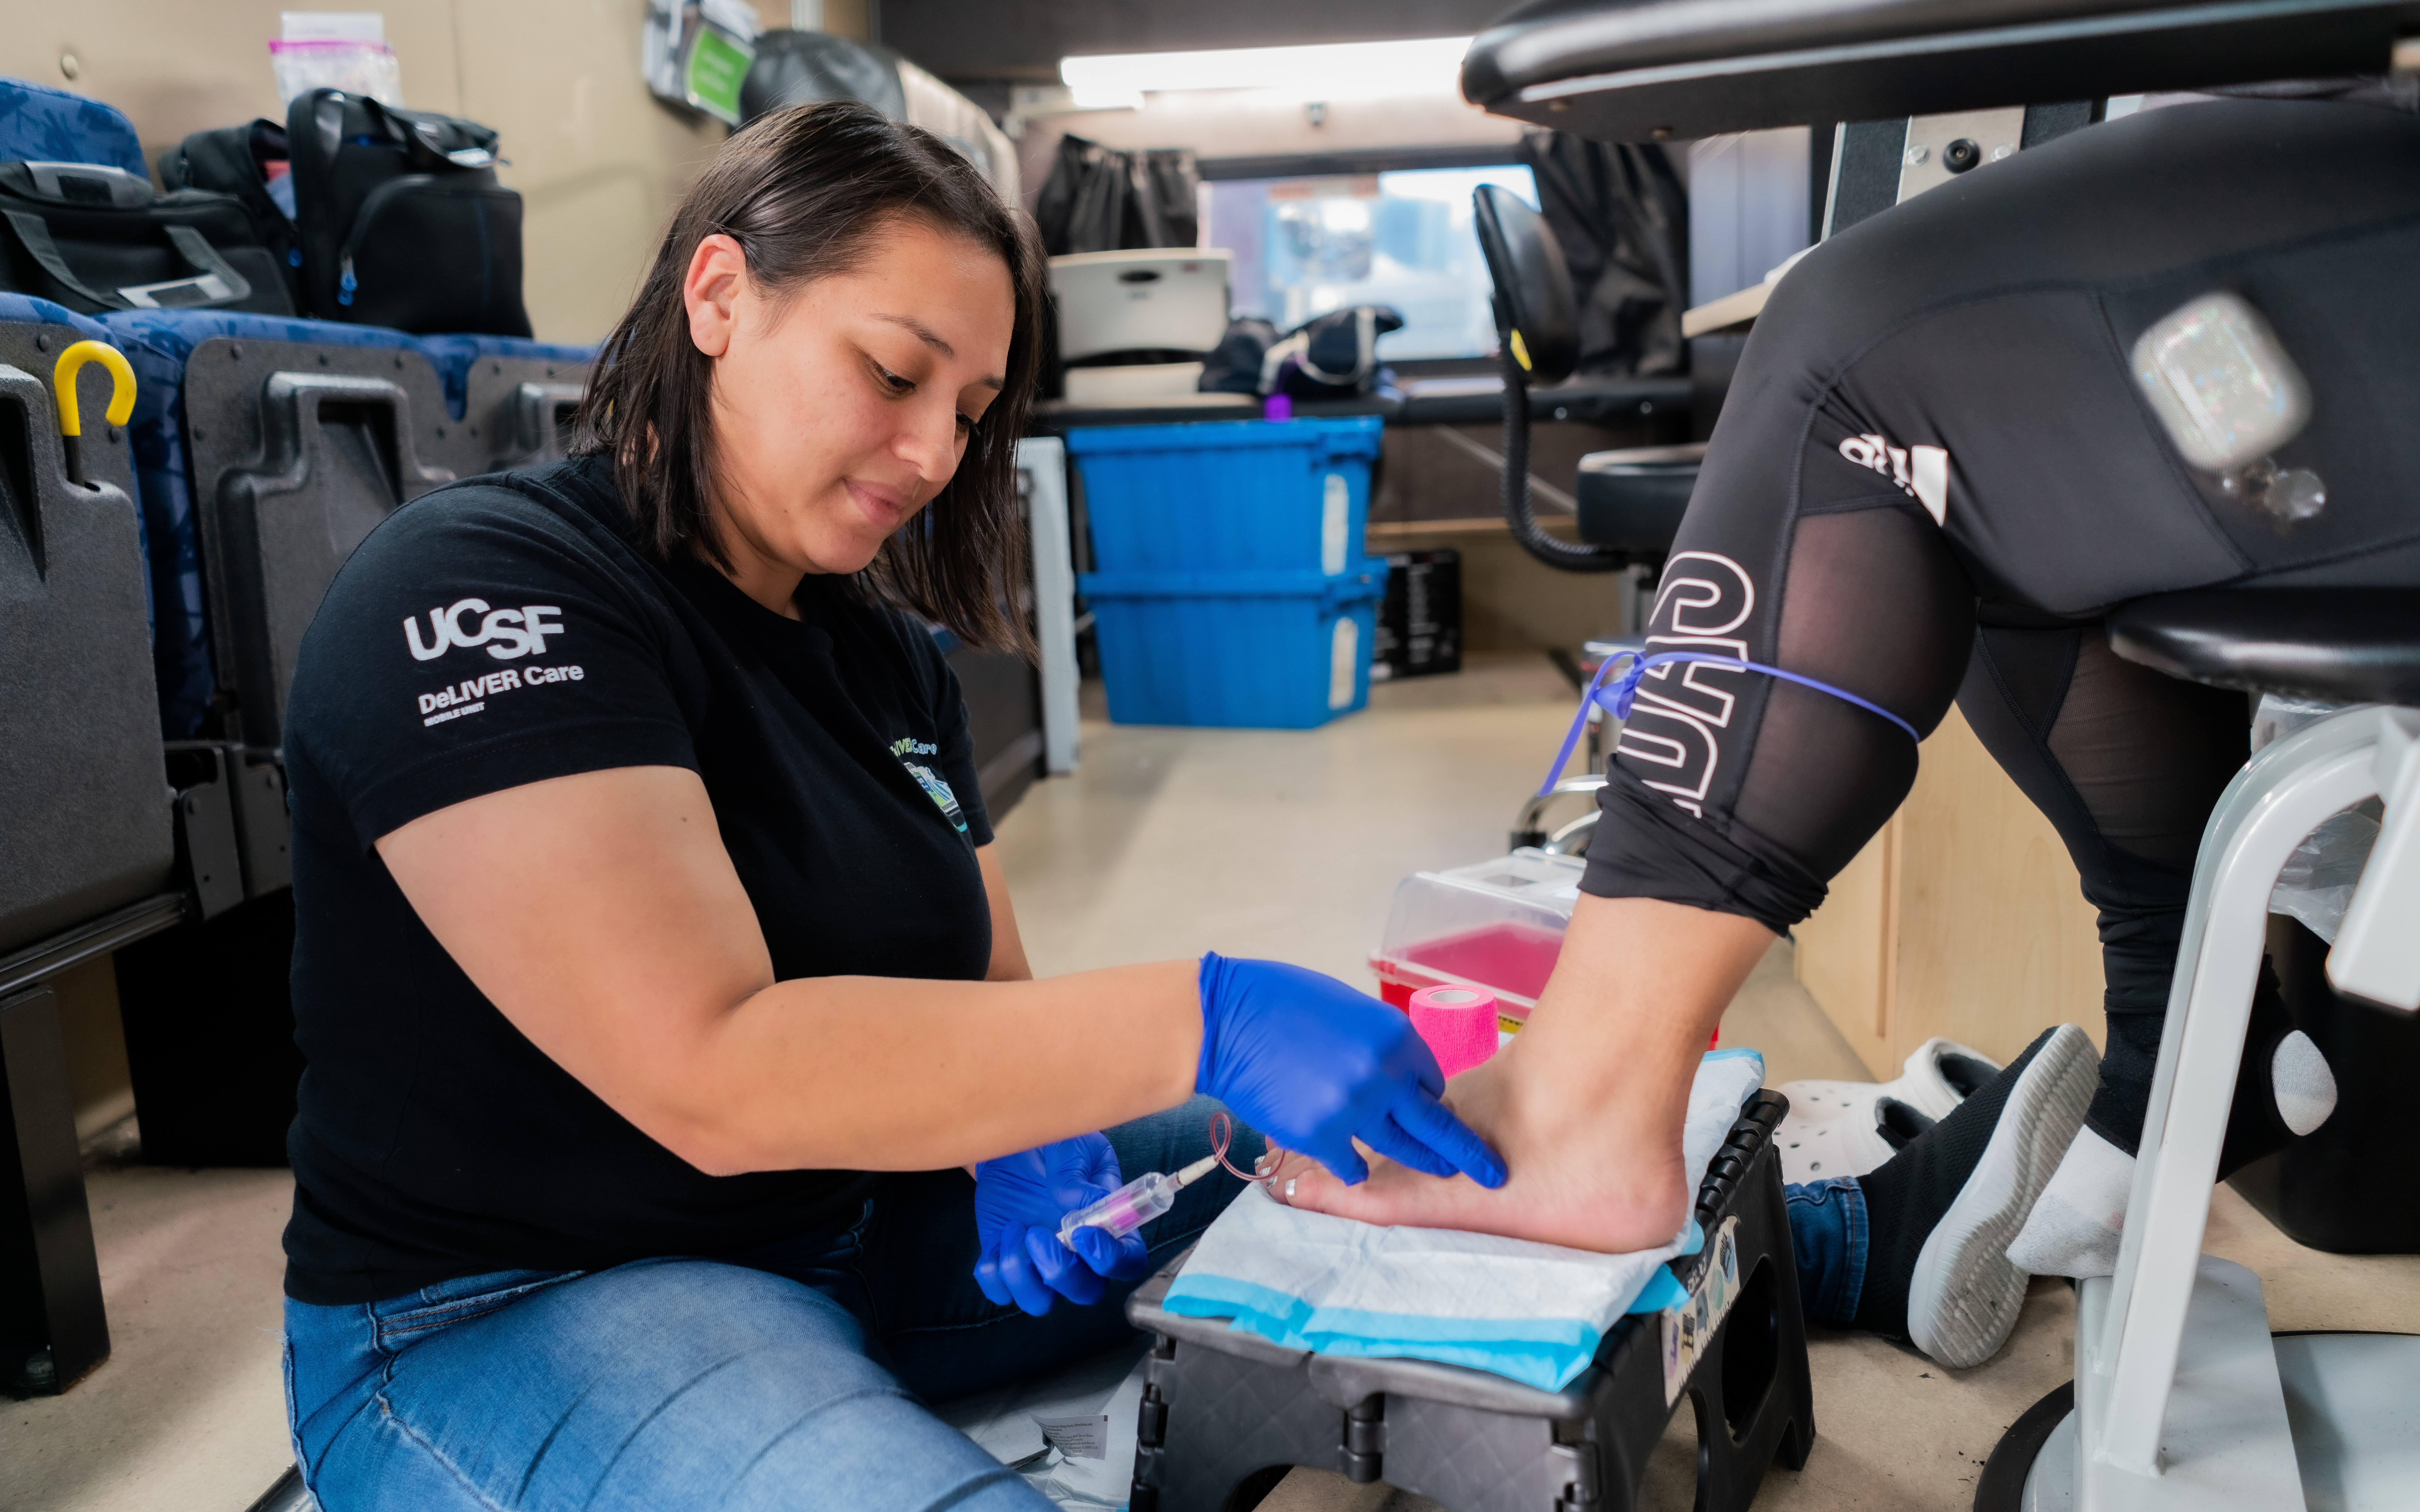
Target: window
{"type": "Point", "coordinates": [1304, 246]}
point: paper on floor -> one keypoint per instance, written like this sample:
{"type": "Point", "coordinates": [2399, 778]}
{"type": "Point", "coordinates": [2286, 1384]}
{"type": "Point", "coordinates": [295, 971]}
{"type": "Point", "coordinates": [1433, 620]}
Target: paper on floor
{"type": "Point", "coordinates": [1070, 1432]}
{"type": "Point", "coordinates": [1531, 1312]}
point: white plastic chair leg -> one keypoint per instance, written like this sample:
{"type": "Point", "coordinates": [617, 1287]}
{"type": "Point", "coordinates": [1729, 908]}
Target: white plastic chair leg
{"type": "Point", "coordinates": [2127, 1364]}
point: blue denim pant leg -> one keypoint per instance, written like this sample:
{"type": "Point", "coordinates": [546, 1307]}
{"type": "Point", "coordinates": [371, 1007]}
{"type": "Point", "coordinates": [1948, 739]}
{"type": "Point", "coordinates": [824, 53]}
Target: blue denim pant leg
{"type": "Point", "coordinates": [939, 1332]}
{"type": "Point", "coordinates": [678, 1384]}
{"type": "Point", "coordinates": [1827, 1234]}
{"type": "Point", "coordinates": [651, 1387]}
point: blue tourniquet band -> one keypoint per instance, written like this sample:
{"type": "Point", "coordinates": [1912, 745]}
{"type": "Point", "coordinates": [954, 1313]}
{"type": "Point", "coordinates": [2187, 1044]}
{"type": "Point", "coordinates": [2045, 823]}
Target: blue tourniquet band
{"type": "Point", "coordinates": [1616, 696]}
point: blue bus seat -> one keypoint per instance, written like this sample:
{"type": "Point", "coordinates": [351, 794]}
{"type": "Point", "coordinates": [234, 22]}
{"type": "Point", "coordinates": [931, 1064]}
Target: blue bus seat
{"type": "Point", "coordinates": [297, 438]}
{"type": "Point", "coordinates": [516, 397]}
{"type": "Point", "coordinates": [89, 828]}
{"type": "Point", "coordinates": [39, 124]}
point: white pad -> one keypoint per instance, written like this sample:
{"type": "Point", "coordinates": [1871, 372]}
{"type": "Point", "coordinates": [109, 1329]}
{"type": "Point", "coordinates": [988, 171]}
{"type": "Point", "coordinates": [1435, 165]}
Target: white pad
{"type": "Point", "coordinates": [1527, 1311]}
{"type": "Point", "coordinates": [2306, 1088]}
{"type": "Point", "coordinates": [2077, 1222]}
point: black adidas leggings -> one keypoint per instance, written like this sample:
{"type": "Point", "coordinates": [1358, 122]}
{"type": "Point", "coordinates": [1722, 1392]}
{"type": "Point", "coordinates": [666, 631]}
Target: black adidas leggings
{"type": "Point", "coordinates": [1934, 475]}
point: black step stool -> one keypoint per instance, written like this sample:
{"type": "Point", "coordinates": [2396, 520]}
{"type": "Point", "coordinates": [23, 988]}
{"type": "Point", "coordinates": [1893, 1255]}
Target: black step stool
{"type": "Point", "coordinates": [1225, 1413]}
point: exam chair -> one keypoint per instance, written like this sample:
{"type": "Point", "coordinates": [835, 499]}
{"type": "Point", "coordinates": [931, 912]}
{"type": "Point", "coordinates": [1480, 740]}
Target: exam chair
{"type": "Point", "coordinates": [2182, 1399]}
{"type": "Point", "coordinates": [1629, 502]}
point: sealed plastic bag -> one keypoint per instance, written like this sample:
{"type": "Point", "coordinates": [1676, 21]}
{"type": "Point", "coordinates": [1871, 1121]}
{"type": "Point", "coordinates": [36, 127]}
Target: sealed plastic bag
{"type": "Point", "coordinates": [2277, 717]}
{"type": "Point", "coordinates": [356, 68]}
{"type": "Point", "coordinates": [2317, 882]}
{"type": "Point", "coordinates": [336, 49]}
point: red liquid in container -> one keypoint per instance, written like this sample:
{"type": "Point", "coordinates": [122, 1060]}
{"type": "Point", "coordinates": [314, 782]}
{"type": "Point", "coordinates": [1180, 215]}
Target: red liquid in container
{"type": "Point", "coordinates": [1512, 960]}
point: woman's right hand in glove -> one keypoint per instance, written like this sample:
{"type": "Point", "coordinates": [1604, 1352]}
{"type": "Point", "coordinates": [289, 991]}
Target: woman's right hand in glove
{"type": "Point", "coordinates": [1314, 1065]}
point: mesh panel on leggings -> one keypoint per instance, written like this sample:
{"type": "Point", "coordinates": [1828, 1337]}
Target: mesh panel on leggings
{"type": "Point", "coordinates": [1791, 780]}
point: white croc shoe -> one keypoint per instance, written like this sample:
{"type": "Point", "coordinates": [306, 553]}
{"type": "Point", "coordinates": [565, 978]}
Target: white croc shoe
{"type": "Point", "coordinates": [1837, 1128]}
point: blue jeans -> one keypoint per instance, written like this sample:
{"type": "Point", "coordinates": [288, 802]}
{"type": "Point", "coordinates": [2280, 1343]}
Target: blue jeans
{"type": "Point", "coordinates": [792, 1377]}
{"type": "Point", "coordinates": [1827, 1235]}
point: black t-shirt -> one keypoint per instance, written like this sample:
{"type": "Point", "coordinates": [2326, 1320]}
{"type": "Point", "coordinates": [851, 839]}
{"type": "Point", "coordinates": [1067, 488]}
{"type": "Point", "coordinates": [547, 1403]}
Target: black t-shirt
{"type": "Point", "coordinates": [505, 631]}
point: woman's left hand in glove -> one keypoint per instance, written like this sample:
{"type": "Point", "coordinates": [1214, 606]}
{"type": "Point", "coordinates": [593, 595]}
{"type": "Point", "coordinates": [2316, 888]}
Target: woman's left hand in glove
{"type": "Point", "coordinates": [1019, 1200]}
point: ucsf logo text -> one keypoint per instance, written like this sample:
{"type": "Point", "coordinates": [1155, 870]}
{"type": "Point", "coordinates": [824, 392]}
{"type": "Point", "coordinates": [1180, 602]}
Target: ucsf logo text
{"type": "Point", "coordinates": [507, 633]}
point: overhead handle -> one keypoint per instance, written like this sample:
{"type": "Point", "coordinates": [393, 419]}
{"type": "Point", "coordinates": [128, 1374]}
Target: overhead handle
{"type": "Point", "coordinates": [63, 385]}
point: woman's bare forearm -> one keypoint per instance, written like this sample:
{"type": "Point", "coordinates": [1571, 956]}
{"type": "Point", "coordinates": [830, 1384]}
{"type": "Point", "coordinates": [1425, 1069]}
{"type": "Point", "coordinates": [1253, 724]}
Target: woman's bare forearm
{"type": "Point", "coordinates": [885, 1073]}
{"type": "Point", "coordinates": [602, 914]}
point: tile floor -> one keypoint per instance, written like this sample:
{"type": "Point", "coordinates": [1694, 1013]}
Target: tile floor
{"type": "Point", "coordinates": [1166, 844]}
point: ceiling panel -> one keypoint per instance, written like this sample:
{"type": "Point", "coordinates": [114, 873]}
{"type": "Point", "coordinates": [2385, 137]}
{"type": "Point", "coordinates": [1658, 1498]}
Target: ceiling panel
{"type": "Point", "coordinates": [1026, 38]}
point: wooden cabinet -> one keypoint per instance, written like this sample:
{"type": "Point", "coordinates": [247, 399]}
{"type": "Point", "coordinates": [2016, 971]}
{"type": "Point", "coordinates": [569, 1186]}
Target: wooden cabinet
{"type": "Point", "coordinates": [1963, 918]}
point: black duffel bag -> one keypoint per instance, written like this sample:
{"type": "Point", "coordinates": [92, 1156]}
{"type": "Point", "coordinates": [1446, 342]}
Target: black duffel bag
{"type": "Point", "coordinates": [97, 239]}
{"type": "Point", "coordinates": [401, 219]}
{"type": "Point", "coordinates": [1332, 356]}
{"type": "Point", "coordinates": [234, 160]}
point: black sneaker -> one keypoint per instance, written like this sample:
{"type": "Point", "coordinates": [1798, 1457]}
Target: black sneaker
{"type": "Point", "coordinates": [1940, 1214]}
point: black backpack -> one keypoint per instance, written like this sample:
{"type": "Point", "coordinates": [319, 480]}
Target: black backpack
{"type": "Point", "coordinates": [99, 239]}
{"type": "Point", "coordinates": [1332, 356]}
{"type": "Point", "coordinates": [402, 221]}
{"type": "Point", "coordinates": [234, 160]}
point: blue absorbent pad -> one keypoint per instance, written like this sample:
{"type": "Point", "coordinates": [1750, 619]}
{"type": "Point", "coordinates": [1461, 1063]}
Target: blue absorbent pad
{"type": "Point", "coordinates": [1530, 1312]}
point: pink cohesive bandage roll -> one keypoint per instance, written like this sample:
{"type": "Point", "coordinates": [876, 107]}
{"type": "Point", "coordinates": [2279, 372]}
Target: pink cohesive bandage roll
{"type": "Point", "coordinates": [1458, 1023]}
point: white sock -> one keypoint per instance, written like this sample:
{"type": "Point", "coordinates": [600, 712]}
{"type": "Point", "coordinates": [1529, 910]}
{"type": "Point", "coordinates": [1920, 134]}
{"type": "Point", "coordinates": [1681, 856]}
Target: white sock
{"type": "Point", "coordinates": [2306, 1088]}
{"type": "Point", "coordinates": [2076, 1222]}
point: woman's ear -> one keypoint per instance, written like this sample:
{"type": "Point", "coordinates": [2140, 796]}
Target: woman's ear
{"type": "Point", "coordinates": [718, 270]}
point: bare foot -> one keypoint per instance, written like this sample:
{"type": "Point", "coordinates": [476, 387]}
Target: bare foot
{"type": "Point", "coordinates": [1589, 1173]}
{"type": "Point", "coordinates": [1586, 1103]}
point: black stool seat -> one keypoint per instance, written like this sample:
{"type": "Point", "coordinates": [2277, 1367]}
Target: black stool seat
{"type": "Point", "coordinates": [2343, 646]}
{"type": "Point", "coordinates": [1633, 500]}
{"type": "Point", "coordinates": [1641, 71]}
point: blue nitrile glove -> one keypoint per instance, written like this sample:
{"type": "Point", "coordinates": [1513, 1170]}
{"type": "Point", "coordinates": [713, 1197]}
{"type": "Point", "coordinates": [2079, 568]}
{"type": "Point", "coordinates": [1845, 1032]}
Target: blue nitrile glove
{"type": "Point", "coordinates": [1019, 1199]}
{"type": "Point", "coordinates": [1314, 1065]}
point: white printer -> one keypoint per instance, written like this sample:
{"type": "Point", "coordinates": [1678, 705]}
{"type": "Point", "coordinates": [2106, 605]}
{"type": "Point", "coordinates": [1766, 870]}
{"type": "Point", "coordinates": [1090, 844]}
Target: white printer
{"type": "Point", "coordinates": [1157, 300]}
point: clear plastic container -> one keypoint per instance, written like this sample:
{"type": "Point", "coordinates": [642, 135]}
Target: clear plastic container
{"type": "Point", "coordinates": [1498, 925]}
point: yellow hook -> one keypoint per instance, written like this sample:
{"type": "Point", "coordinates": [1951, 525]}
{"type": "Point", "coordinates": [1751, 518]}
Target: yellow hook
{"type": "Point", "coordinates": [63, 384]}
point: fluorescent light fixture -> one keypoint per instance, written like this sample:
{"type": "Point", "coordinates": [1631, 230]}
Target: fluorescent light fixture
{"type": "Point", "coordinates": [1326, 70]}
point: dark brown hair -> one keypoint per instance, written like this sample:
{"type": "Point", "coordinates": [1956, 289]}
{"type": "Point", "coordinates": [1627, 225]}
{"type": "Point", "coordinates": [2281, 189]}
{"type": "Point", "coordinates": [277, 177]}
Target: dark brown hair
{"type": "Point", "coordinates": [807, 191]}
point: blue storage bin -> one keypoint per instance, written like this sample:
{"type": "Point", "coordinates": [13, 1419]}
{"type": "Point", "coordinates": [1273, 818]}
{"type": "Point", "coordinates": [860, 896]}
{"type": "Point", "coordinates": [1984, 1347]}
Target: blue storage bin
{"type": "Point", "coordinates": [1227, 494]}
{"type": "Point", "coordinates": [1274, 649]}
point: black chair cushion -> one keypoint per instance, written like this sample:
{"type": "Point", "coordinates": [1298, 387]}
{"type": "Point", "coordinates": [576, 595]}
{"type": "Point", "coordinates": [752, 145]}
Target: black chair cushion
{"type": "Point", "coordinates": [1634, 498]}
{"type": "Point", "coordinates": [2344, 645]}
{"type": "Point", "coordinates": [1641, 70]}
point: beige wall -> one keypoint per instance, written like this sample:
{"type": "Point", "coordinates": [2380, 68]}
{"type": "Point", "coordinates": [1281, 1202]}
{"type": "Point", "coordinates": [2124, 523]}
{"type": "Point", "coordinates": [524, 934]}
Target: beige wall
{"type": "Point", "coordinates": [597, 159]}
{"type": "Point", "coordinates": [95, 1041]}
{"type": "Point", "coordinates": [1920, 937]}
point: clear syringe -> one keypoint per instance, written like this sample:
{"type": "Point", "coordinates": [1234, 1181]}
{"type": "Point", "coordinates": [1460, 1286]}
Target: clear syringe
{"type": "Point", "coordinates": [1136, 1203]}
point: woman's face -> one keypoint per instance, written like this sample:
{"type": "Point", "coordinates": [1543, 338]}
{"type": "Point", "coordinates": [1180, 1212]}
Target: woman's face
{"type": "Point", "coordinates": [842, 407]}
